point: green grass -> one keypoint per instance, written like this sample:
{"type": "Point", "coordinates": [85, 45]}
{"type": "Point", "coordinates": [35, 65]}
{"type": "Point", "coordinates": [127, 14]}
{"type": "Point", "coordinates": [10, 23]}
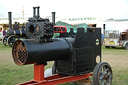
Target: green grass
{"type": "Point", "coordinates": [114, 51]}
{"type": "Point", "coordinates": [11, 74]}
{"type": "Point", "coordinates": [118, 59]}
{"type": "Point", "coordinates": [4, 48]}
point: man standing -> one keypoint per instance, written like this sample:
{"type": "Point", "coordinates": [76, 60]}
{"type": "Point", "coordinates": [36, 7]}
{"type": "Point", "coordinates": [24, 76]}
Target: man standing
{"type": "Point", "coordinates": [4, 32]}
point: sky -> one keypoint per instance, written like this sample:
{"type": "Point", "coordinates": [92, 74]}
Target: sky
{"type": "Point", "coordinates": [105, 9]}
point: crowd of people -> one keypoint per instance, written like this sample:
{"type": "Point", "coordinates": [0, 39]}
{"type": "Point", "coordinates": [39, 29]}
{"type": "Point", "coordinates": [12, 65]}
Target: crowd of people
{"type": "Point", "coordinates": [3, 32]}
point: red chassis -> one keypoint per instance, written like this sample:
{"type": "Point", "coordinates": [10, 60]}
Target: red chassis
{"type": "Point", "coordinates": [52, 80]}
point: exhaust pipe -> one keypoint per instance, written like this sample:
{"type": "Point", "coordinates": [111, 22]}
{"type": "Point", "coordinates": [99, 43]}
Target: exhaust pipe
{"type": "Point", "coordinates": [10, 20]}
{"type": "Point", "coordinates": [38, 11]}
{"type": "Point", "coordinates": [34, 11]}
{"type": "Point", "coordinates": [53, 17]}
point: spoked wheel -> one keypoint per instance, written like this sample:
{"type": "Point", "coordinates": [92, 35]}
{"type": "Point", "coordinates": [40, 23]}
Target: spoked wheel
{"type": "Point", "coordinates": [4, 40]}
{"type": "Point", "coordinates": [11, 40]}
{"type": "Point", "coordinates": [126, 46]}
{"type": "Point", "coordinates": [102, 74]}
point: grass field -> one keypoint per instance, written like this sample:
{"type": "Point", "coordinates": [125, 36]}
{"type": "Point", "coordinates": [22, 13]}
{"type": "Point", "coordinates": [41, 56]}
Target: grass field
{"type": "Point", "coordinates": [11, 74]}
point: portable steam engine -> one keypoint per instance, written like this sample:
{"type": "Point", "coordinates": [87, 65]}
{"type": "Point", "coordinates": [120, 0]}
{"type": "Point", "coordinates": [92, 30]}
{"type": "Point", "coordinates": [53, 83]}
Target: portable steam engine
{"type": "Point", "coordinates": [76, 55]}
{"type": "Point", "coordinates": [14, 33]}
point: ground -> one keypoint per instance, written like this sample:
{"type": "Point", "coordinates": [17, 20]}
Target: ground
{"type": "Point", "coordinates": [118, 59]}
{"type": "Point", "coordinates": [11, 74]}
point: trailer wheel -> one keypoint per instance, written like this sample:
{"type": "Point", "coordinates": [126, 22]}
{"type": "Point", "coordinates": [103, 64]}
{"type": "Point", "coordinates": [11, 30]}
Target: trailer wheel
{"type": "Point", "coordinates": [12, 39]}
{"type": "Point", "coordinates": [4, 40]}
{"type": "Point", "coordinates": [126, 46]}
{"type": "Point", "coordinates": [102, 74]}
{"type": "Point", "coordinates": [54, 69]}
{"type": "Point", "coordinates": [107, 46]}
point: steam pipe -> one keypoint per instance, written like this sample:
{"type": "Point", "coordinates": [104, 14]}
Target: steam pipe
{"type": "Point", "coordinates": [10, 20]}
{"type": "Point", "coordinates": [34, 11]}
{"type": "Point", "coordinates": [53, 17]}
{"type": "Point", "coordinates": [38, 11]}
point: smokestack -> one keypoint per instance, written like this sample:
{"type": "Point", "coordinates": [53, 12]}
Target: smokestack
{"type": "Point", "coordinates": [34, 11]}
{"type": "Point", "coordinates": [10, 20]}
{"type": "Point", "coordinates": [38, 11]}
{"type": "Point", "coordinates": [53, 17]}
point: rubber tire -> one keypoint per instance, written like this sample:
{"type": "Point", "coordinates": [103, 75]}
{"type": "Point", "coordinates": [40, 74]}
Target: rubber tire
{"type": "Point", "coordinates": [113, 47]}
{"type": "Point", "coordinates": [126, 46]}
{"type": "Point", "coordinates": [107, 46]}
{"type": "Point", "coordinates": [54, 69]}
{"type": "Point", "coordinates": [96, 71]}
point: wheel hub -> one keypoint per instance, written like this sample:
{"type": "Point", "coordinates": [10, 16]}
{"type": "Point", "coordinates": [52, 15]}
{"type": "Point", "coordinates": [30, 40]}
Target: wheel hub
{"type": "Point", "coordinates": [106, 77]}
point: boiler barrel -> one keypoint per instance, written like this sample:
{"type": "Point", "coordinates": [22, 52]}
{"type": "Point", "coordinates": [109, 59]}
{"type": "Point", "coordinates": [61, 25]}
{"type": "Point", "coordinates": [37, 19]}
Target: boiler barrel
{"type": "Point", "coordinates": [21, 33]}
{"type": "Point", "coordinates": [29, 51]}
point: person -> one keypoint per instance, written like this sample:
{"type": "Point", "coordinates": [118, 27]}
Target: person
{"type": "Point", "coordinates": [0, 29]}
{"type": "Point", "coordinates": [4, 32]}
{"type": "Point", "coordinates": [16, 26]}
{"type": "Point", "coordinates": [102, 38]}
{"type": "Point", "coordinates": [23, 27]}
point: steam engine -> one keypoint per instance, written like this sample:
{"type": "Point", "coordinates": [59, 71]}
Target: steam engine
{"type": "Point", "coordinates": [14, 33]}
{"type": "Point", "coordinates": [74, 53]}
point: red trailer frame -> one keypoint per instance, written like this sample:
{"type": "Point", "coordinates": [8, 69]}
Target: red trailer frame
{"type": "Point", "coordinates": [52, 80]}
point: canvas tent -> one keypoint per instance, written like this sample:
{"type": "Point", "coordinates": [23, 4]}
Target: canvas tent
{"type": "Point", "coordinates": [68, 26]}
